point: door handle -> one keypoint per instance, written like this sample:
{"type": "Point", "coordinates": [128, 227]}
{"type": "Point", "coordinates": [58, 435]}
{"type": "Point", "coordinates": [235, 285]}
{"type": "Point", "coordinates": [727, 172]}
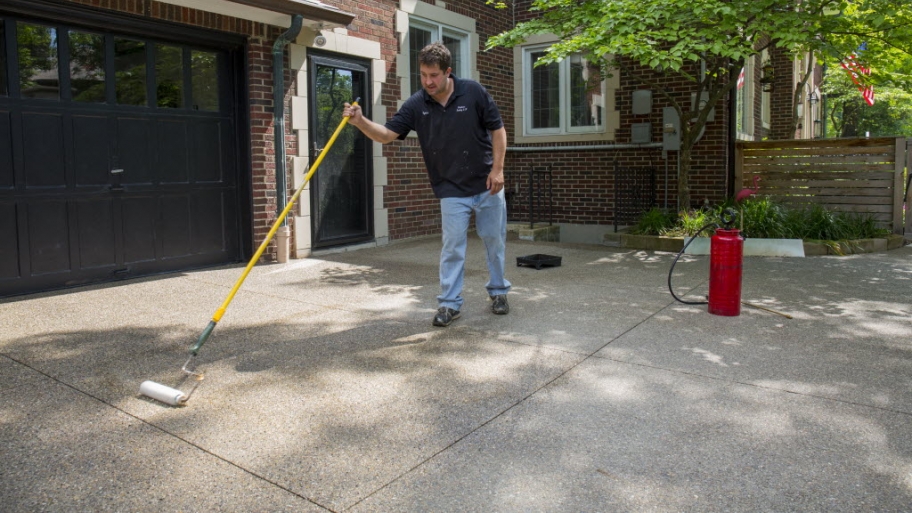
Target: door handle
{"type": "Point", "coordinates": [115, 173]}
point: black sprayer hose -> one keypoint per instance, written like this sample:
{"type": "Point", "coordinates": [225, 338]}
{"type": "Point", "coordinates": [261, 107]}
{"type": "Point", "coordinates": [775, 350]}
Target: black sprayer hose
{"type": "Point", "coordinates": [670, 271]}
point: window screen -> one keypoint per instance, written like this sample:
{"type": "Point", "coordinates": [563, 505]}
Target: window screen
{"type": "Point", "coordinates": [545, 94]}
{"type": "Point", "coordinates": [423, 33]}
{"type": "Point", "coordinates": [585, 93]}
{"type": "Point", "coordinates": [418, 39]}
{"type": "Point", "coordinates": [562, 97]}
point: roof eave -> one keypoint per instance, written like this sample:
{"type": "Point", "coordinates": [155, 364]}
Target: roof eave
{"type": "Point", "coordinates": [308, 10]}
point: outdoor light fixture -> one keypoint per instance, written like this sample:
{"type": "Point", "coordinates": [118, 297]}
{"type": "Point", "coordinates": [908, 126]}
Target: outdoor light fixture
{"type": "Point", "coordinates": [320, 40]}
{"type": "Point", "coordinates": [813, 98]}
{"type": "Point", "coordinates": [768, 77]}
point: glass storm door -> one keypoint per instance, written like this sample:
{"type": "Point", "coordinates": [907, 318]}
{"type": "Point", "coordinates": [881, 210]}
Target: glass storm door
{"type": "Point", "coordinates": [342, 188]}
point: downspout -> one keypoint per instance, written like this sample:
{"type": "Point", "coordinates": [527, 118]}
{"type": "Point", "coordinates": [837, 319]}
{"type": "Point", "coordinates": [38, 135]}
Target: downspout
{"type": "Point", "coordinates": [278, 119]}
{"type": "Point", "coordinates": [733, 107]}
{"type": "Point", "coordinates": [823, 106]}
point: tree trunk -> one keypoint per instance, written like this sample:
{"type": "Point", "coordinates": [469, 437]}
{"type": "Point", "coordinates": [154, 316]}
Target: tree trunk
{"type": "Point", "coordinates": [850, 119]}
{"type": "Point", "coordinates": [683, 176]}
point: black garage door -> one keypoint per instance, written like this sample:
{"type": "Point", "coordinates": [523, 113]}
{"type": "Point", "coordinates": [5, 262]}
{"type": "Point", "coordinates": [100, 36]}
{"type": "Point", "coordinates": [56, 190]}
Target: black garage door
{"type": "Point", "coordinates": [118, 155]}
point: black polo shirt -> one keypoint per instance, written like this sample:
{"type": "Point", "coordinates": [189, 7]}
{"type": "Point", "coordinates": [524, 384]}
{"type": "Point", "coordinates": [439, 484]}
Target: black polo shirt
{"type": "Point", "coordinates": [455, 138]}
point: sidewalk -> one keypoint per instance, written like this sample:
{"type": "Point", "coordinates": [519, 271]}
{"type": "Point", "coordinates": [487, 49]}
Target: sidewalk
{"type": "Point", "coordinates": [327, 388]}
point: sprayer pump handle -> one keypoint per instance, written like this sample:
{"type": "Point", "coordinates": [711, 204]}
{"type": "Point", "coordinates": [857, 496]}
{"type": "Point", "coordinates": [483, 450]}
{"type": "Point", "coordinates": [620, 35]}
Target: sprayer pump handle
{"type": "Point", "coordinates": [728, 217]}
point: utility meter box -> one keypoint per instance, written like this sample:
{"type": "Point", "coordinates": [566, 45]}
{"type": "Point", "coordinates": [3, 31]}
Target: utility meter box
{"type": "Point", "coordinates": [671, 129]}
{"type": "Point", "coordinates": [641, 133]}
{"type": "Point", "coordinates": [642, 102]}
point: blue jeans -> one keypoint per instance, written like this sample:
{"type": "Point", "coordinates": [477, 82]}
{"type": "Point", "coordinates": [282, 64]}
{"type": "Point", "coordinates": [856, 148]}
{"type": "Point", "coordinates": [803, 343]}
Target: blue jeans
{"type": "Point", "coordinates": [491, 225]}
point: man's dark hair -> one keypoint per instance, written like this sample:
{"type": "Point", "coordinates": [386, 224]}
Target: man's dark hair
{"type": "Point", "coordinates": [435, 53]}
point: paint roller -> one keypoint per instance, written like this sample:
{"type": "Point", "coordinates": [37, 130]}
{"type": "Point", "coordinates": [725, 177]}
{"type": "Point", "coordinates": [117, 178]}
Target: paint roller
{"type": "Point", "coordinates": [176, 397]}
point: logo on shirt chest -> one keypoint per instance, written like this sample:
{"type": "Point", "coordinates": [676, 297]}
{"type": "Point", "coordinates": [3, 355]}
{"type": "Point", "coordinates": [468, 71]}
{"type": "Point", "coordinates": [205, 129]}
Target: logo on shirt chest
{"type": "Point", "coordinates": [461, 108]}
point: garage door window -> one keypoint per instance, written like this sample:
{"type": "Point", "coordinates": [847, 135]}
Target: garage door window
{"type": "Point", "coordinates": [38, 75]}
{"type": "Point", "coordinates": [106, 68]}
{"type": "Point", "coordinates": [130, 71]}
{"type": "Point", "coordinates": [169, 76]}
{"type": "Point", "coordinates": [87, 67]}
{"type": "Point", "coordinates": [4, 87]}
{"type": "Point", "coordinates": [205, 80]}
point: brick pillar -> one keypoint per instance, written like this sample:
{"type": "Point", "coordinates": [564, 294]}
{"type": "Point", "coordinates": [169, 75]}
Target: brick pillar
{"type": "Point", "coordinates": [781, 108]}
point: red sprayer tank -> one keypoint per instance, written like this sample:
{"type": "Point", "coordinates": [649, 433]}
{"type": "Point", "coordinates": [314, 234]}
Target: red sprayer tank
{"type": "Point", "coordinates": [725, 262]}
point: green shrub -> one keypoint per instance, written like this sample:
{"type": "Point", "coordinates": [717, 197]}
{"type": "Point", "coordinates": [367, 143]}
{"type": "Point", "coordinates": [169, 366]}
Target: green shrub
{"type": "Point", "coordinates": [818, 223]}
{"type": "Point", "coordinates": [761, 217]}
{"type": "Point", "coordinates": [654, 222]}
{"type": "Point", "coordinates": [691, 221]}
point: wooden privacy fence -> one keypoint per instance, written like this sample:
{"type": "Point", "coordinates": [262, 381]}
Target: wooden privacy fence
{"type": "Point", "coordinates": [864, 176]}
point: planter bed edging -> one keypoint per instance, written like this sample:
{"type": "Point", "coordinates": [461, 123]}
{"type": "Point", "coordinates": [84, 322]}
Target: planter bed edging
{"type": "Point", "coordinates": [674, 244]}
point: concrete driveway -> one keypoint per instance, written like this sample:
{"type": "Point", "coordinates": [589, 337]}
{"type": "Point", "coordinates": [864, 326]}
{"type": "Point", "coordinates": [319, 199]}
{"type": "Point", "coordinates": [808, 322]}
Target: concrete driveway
{"type": "Point", "coordinates": [327, 388]}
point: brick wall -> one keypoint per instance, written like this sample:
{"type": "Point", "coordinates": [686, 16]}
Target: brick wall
{"type": "Point", "coordinates": [583, 179]}
{"type": "Point", "coordinates": [413, 208]}
{"type": "Point", "coordinates": [710, 156]}
{"type": "Point", "coordinates": [262, 138]}
{"type": "Point", "coordinates": [781, 97]}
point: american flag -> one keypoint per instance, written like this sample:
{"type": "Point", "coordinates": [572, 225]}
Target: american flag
{"type": "Point", "coordinates": [857, 72]}
{"type": "Point", "coordinates": [741, 79]}
{"type": "Point", "coordinates": [868, 94]}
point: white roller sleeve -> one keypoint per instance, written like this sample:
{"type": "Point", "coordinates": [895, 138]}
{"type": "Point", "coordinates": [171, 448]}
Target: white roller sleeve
{"type": "Point", "coordinates": [162, 393]}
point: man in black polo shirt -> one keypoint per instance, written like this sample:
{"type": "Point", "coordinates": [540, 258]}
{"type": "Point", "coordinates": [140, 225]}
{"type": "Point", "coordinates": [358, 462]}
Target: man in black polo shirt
{"type": "Point", "coordinates": [463, 141]}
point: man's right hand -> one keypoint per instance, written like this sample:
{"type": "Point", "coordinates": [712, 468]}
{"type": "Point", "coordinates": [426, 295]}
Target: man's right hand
{"type": "Point", "coordinates": [353, 113]}
{"type": "Point", "coordinates": [374, 131]}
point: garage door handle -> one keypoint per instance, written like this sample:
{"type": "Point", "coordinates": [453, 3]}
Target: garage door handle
{"type": "Point", "coordinates": [117, 186]}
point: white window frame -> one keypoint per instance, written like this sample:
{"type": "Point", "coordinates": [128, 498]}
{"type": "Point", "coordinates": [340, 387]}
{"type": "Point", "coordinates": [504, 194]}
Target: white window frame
{"type": "Point", "coordinates": [766, 112]}
{"type": "Point", "coordinates": [746, 108]}
{"type": "Point", "coordinates": [427, 15]}
{"type": "Point", "coordinates": [563, 127]}
{"type": "Point", "coordinates": [438, 30]}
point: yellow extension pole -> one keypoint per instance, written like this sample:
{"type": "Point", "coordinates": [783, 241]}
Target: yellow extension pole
{"type": "Point", "coordinates": [275, 227]}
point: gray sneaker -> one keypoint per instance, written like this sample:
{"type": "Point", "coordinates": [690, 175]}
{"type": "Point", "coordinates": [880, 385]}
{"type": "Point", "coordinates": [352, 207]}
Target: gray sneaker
{"type": "Point", "coordinates": [445, 316]}
{"type": "Point", "coordinates": [500, 305]}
